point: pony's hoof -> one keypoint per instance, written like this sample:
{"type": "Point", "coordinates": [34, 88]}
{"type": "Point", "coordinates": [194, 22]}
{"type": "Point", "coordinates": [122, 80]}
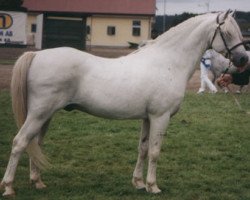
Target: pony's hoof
{"type": "Point", "coordinates": [153, 188]}
{"type": "Point", "coordinates": [138, 183]}
{"type": "Point", "coordinates": [9, 192]}
{"type": "Point", "coordinates": [8, 189]}
{"type": "Point", "coordinates": [38, 184]}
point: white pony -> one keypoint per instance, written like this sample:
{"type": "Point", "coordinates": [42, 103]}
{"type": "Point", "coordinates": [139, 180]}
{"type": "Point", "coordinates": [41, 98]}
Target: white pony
{"type": "Point", "coordinates": [148, 84]}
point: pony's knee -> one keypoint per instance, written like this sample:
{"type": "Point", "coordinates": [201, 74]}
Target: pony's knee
{"type": "Point", "coordinates": [153, 155]}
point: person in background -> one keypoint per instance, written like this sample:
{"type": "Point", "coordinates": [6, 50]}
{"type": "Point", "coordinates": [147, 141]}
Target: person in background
{"type": "Point", "coordinates": [205, 66]}
{"type": "Point", "coordinates": [240, 79]}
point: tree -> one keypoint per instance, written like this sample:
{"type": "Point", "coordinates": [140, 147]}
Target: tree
{"type": "Point", "coordinates": [11, 5]}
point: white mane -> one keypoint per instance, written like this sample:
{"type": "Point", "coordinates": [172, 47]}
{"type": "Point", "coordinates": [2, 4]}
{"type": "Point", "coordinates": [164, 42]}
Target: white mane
{"type": "Point", "coordinates": [175, 33]}
{"type": "Point", "coordinates": [187, 25]}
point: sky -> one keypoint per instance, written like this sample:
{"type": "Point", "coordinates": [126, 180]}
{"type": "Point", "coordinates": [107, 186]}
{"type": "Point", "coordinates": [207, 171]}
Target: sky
{"type": "Point", "coordinates": [200, 6]}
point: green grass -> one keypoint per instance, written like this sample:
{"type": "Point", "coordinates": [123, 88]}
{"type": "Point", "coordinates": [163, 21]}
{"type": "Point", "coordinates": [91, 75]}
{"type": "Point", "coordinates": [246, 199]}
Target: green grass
{"type": "Point", "coordinates": [205, 154]}
{"type": "Point", "coordinates": [7, 62]}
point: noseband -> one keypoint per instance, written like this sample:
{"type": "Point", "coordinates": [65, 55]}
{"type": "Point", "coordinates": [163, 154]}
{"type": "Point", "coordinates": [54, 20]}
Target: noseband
{"type": "Point", "coordinates": [229, 50]}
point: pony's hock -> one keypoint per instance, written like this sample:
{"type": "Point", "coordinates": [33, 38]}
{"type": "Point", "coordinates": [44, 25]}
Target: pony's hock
{"type": "Point", "coordinates": [148, 84]}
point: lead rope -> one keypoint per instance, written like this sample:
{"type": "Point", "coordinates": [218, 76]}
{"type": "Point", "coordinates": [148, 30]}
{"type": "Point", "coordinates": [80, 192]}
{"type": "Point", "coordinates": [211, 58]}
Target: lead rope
{"type": "Point", "coordinates": [235, 99]}
{"type": "Point", "coordinates": [231, 92]}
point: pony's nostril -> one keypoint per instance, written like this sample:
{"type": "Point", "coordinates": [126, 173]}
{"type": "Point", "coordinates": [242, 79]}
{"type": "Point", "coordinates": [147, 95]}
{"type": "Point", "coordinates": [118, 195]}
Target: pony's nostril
{"type": "Point", "coordinates": [243, 60]}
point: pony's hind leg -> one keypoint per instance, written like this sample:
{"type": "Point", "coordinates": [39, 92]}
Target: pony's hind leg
{"type": "Point", "coordinates": [35, 176]}
{"type": "Point", "coordinates": [29, 130]}
{"type": "Point", "coordinates": [137, 180]}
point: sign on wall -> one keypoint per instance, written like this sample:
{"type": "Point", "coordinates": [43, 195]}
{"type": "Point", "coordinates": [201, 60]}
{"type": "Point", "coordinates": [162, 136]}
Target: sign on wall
{"type": "Point", "coordinates": [13, 27]}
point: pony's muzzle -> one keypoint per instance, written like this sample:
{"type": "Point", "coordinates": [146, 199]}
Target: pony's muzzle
{"type": "Point", "coordinates": [239, 59]}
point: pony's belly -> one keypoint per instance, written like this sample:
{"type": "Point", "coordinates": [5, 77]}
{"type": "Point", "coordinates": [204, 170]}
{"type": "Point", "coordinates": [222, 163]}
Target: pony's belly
{"type": "Point", "coordinates": [116, 102]}
{"type": "Point", "coordinates": [112, 112]}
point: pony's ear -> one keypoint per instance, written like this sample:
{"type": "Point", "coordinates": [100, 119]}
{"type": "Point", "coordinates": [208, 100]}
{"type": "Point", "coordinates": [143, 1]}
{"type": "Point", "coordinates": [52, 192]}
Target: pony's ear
{"type": "Point", "coordinates": [225, 14]}
{"type": "Point", "coordinates": [233, 13]}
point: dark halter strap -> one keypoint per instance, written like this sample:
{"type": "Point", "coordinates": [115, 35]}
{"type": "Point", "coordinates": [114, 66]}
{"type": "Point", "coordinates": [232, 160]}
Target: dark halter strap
{"type": "Point", "coordinates": [244, 43]}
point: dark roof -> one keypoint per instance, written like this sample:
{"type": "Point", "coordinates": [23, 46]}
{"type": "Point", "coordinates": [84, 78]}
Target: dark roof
{"type": "Point", "coordinates": [125, 7]}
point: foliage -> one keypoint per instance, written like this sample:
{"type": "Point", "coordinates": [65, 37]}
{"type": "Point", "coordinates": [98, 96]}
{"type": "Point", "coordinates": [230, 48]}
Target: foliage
{"type": "Point", "coordinates": [170, 21]}
{"type": "Point", "coordinates": [173, 20]}
{"type": "Point", "coordinates": [205, 154]}
{"type": "Point", "coordinates": [243, 15]}
{"type": "Point", "coordinates": [11, 4]}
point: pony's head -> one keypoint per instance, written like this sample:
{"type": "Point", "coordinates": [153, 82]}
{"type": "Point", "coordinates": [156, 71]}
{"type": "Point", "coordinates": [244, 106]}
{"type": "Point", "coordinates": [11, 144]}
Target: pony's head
{"type": "Point", "coordinates": [227, 39]}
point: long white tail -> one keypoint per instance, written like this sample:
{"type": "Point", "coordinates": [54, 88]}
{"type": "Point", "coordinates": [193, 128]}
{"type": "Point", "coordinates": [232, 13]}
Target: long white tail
{"type": "Point", "coordinates": [19, 103]}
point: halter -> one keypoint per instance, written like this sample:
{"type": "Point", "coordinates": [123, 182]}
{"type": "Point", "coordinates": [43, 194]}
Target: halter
{"type": "Point", "coordinates": [229, 50]}
{"type": "Point", "coordinates": [218, 29]}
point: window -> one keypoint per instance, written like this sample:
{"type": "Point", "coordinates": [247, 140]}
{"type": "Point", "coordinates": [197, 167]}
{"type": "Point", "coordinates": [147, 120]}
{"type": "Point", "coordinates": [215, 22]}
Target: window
{"type": "Point", "coordinates": [33, 28]}
{"type": "Point", "coordinates": [111, 30]}
{"type": "Point", "coordinates": [136, 29]}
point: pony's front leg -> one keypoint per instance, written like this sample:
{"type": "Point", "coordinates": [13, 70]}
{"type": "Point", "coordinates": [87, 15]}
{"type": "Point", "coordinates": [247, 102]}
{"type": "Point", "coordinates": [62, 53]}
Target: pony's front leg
{"type": "Point", "coordinates": [158, 127]}
{"type": "Point", "coordinates": [137, 180]}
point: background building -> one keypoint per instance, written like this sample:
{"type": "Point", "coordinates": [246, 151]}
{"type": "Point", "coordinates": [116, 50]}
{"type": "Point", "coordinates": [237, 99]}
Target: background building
{"type": "Point", "coordinates": [81, 23]}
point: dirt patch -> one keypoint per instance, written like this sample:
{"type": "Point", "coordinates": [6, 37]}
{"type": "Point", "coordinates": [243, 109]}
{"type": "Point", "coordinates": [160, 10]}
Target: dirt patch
{"type": "Point", "coordinates": [194, 82]}
{"type": "Point", "coordinates": [13, 53]}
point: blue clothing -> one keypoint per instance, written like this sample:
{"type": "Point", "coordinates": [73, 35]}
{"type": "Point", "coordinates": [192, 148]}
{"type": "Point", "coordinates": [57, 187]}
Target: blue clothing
{"type": "Point", "coordinates": [206, 64]}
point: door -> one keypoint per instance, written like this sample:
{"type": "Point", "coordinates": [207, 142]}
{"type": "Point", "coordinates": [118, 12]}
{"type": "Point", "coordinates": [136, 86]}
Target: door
{"type": "Point", "coordinates": [64, 31]}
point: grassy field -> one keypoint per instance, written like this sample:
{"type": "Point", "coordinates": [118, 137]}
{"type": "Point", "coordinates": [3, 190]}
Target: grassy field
{"type": "Point", "coordinates": [7, 62]}
{"type": "Point", "coordinates": [205, 155]}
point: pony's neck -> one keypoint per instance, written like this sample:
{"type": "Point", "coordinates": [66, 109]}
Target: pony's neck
{"type": "Point", "coordinates": [189, 41]}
